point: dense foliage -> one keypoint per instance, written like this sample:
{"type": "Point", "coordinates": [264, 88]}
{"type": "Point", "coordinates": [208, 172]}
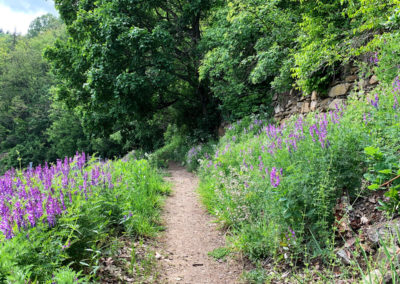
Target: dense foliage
{"type": "Point", "coordinates": [58, 220]}
{"type": "Point", "coordinates": [127, 62]}
{"type": "Point", "coordinates": [247, 48]}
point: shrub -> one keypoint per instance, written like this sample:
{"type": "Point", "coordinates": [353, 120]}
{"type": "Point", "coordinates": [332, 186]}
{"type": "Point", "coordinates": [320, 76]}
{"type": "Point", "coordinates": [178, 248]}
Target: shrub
{"type": "Point", "coordinates": [196, 153]}
{"type": "Point", "coordinates": [175, 148]}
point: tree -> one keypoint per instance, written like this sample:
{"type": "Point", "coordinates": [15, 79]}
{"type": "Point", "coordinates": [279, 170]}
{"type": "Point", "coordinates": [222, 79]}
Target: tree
{"type": "Point", "coordinates": [127, 61]}
{"type": "Point", "coordinates": [42, 24]}
{"type": "Point", "coordinates": [247, 48]}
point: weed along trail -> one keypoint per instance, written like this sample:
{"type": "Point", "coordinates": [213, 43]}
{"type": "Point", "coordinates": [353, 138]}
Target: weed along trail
{"type": "Point", "coordinates": [190, 234]}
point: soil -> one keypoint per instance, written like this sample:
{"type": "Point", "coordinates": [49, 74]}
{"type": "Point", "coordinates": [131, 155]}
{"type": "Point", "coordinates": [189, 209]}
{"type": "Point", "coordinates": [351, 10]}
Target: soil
{"type": "Point", "coordinates": [190, 235]}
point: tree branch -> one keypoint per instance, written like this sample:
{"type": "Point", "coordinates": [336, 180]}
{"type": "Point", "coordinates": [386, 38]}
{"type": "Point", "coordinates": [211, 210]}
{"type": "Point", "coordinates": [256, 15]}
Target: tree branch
{"type": "Point", "coordinates": [390, 181]}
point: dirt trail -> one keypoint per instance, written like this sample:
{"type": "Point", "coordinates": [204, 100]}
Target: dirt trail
{"type": "Point", "coordinates": [190, 235]}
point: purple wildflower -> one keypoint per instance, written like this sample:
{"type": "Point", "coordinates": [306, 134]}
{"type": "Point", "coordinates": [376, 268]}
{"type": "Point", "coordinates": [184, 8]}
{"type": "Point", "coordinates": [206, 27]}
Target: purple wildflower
{"type": "Point", "coordinates": [274, 177]}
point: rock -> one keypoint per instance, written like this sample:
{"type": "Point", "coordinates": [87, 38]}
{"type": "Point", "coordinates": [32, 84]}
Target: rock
{"type": "Point", "coordinates": [334, 103]}
{"type": "Point", "coordinates": [383, 231]}
{"type": "Point", "coordinates": [314, 96]}
{"type": "Point", "coordinates": [278, 109]}
{"type": "Point", "coordinates": [364, 220]}
{"type": "Point", "coordinates": [302, 98]}
{"type": "Point", "coordinates": [354, 70]}
{"type": "Point", "coordinates": [351, 78]}
{"type": "Point", "coordinates": [362, 84]}
{"type": "Point", "coordinates": [373, 80]}
{"type": "Point", "coordinates": [342, 254]}
{"type": "Point", "coordinates": [313, 106]}
{"type": "Point", "coordinates": [324, 104]}
{"type": "Point", "coordinates": [158, 256]}
{"type": "Point", "coordinates": [305, 108]}
{"type": "Point", "coordinates": [221, 131]}
{"type": "Point", "coordinates": [339, 90]}
{"type": "Point", "coordinates": [376, 276]}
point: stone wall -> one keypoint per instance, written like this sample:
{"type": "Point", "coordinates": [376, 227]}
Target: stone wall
{"type": "Point", "coordinates": [294, 102]}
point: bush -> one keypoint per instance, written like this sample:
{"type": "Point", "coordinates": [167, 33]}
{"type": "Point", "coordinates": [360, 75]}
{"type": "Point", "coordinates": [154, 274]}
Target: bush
{"type": "Point", "coordinates": [178, 148]}
{"type": "Point", "coordinates": [174, 149]}
{"type": "Point", "coordinates": [196, 153]}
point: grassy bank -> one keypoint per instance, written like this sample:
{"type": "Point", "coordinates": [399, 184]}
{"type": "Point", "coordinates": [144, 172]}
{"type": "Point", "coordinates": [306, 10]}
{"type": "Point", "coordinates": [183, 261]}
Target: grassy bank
{"type": "Point", "coordinates": [58, 221]}
{"type": "Point", "coordinates": [276, 186]}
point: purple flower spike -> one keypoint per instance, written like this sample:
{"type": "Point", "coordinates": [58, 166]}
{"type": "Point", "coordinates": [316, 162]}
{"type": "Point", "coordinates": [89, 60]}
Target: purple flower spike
{"type": "Point", "coordinates": [274, 178]}
{"type": "Point", "coordinates": [375, 103]}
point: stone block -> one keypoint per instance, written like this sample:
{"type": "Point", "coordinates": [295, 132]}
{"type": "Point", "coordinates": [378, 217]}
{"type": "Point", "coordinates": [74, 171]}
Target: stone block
{"type": "Point", "coordinates": [351, 78]}
{"type": "Point", "coordinates": [373, 80]}
{"type": "Point", "coordinates": [314, 96]}
{"type": "Point", "coordinates": [278, 109]}
{"type": "Point", "coordinates": [305, 108]}
{"type": "Point", "coordinates": [339, 90]}
{"type": "Point", "coordinates": [313, 105]}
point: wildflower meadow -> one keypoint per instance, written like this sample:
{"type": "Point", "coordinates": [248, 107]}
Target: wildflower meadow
{"type": "Point", "coordinates": [57, 220]}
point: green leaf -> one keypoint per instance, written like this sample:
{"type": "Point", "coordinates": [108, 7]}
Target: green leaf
{"type": "Point", "coordinates": [387, 171]}
{"type": "Point", "coordinates": [372, 151]}
{"type": "Point", "coordinates": [392, 193]}
{"type": "Point", "coordinates": [397, 186]}
{"type": "Point", "coordinates": [373, 186]}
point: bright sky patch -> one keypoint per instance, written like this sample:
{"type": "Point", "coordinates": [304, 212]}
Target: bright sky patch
{"type": "Point", "coordinates": [16, 15]}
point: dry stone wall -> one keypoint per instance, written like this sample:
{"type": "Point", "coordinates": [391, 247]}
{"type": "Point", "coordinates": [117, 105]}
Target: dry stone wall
{"type": "Point", "coordinates": [294, 102]}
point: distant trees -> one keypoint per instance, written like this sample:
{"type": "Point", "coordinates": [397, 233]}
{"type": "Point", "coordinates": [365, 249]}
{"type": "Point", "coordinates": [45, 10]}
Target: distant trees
{"type": "Point", "coordinates": [42, 24]}
{"type": "Point", "coordinates": [33, 126]}
{"type": "Point", "coordinates": [24, 98]}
